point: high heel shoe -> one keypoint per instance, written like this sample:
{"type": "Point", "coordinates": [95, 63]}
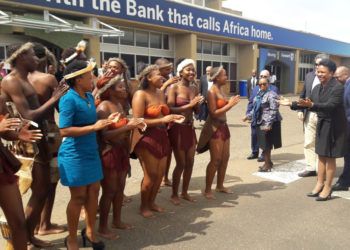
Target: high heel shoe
{"type": "Point", "coordinates": [311, 194]}
{"type": "Point", "coordinates": [99, 245]}
{"type": "Point", "coordinates": [328, 197]}
{"type": "Point", "coordinates": [266, 167]}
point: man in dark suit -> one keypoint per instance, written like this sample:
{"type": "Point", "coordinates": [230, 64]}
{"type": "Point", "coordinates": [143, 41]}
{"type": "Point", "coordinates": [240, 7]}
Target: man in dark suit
{"type": "Point", "coordinates": [252, 82]}
{"type": "Point", "coordinates": [254, 139]}
{"type": "Point", "coordinates": [342, 74]}
{"type": "Point", "coordinates": [204, 86]}
{"type": "Point", "coordinates": [310, 121]}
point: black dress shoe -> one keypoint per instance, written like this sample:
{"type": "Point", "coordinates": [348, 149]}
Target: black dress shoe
{"type": "Point", "coordinates": [311, 194]}
{"type": "Point", "coordinates": [261, 158]}
{"type": "Point", "coordinates": [307, 173]}
{"type": "Point", "coordinates": [252, 156]}
{"type": "Point", "coordinates": [338, 187]}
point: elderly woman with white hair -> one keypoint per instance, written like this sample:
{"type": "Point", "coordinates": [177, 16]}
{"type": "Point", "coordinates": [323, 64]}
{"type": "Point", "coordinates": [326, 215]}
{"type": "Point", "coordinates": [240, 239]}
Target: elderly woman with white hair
{"type": "Point", "coordinates": [183, 99]}
{"type": "Point", "coordinates": [215, 135]}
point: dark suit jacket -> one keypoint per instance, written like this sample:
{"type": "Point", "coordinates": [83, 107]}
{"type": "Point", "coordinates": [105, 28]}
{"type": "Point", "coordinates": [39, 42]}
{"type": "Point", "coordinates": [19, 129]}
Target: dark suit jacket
{"type": "Point", "coordinates": [203, 86]}
{"type": "Point", "coordinates": [309, 80]}
{"type": "Point", "coordinates": [347, 101]}
{"type": "Point", "coordinates": [249, 85]}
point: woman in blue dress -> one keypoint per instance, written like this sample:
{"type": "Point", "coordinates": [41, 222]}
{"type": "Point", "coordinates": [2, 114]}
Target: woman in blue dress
{"type": "Point", "coordinates": [78, 157]}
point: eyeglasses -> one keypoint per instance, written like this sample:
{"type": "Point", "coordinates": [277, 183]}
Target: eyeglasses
{"type": "Point", "coordinates": [263, 76]}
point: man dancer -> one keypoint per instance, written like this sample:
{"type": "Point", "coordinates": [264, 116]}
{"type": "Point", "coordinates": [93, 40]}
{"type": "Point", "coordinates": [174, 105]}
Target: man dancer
{"type": "Point", "coordinates": [16, 88]}
{"type": "Point", "coordinates": [342, 74]}
{"type": "Point", "coordinates": [44, 85]}
{"type": "Point", "coordinates": [310, 121]}
{"type": "Point", "coordinates": [254, 139]}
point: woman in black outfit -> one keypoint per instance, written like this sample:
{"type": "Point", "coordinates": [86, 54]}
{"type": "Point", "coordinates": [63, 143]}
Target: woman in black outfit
{"type": "Point", "coordinates": [327, 101]}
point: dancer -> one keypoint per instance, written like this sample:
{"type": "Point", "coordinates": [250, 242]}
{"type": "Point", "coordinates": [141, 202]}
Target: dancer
{"type": "Point", "coordinates": [183, 99]}
{"type": "Point", "coordinates": [115, 153]}
{"type": "Point", "coordinates": [152, 147]}
{"type": "Point", "coordinates": [215, 134]}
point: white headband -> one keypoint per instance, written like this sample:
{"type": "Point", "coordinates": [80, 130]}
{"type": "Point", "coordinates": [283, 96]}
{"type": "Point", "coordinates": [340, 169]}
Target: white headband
{"type": "Point", "coordinates": [184, 64]}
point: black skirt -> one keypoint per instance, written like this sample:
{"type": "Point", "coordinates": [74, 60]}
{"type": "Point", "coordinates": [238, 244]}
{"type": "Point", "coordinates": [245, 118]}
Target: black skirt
{"type": "Point", "coordinates": [270, 139]}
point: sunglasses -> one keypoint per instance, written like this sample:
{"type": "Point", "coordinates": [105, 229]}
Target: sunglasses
{"type": "Point", "coordinates": [317, 64]}
{"type": "Point", "coordinates": [262, 84]}
{"type": "Point", "coordinates": [262, 76]}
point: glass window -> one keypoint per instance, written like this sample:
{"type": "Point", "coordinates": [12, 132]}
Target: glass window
{"type": "Point", "coordinates": [216, 48]}
{"type": "Point", "coordinates": [141, 63]}
{"type": "Point", "coordinates": [224, 49]}
{"type": "Point", "coordinates": [216, 64]}
{"type": "Point", "coordinates": [156, 40]}
{"type": "Point", "coordinates": [225, 66]}
{"type": "Point", "coordinates": [205, 65]}
{"type": "Point", "coordinates": [206, 45]}
{"type": "Point", "coordinates": [142, 39]}
{"type": "Point", "coordinates": [128, 38]}
{"type": "Point", "coordinates": [165, 41]}
{"type": "Point", "coordinates": [107, 55]}
{"type": "Point", "coordinates": [111, 39]}
{"type": "Point", "coordinates": [199, 2]}
{"type": "Point", "coordinates": [2, 53]}
{"type": "Point", "coordinates": [199, 46]}
{"type": "Point", "coordinates": [199, 69]}
{"type": "Point", "coordinates": [130, 61]}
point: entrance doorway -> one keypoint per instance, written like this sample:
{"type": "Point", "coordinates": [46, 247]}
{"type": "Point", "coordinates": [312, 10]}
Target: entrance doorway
{"type": "Point", "coordinates": [280, 74]}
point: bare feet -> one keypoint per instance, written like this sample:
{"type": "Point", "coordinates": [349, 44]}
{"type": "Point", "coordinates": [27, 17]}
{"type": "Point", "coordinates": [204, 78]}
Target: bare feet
{"type": "Point", "coordinates": [157, 208]}
{"type": "Point", "coordinates": [122, 226]}
{"type": "Point", "coordinates": [52, 229]}
{"type": "Point", "coordinates": [40, 243]}
{"type": "Point", "coordinates": [175, 200]}
{"type": "Point", "coordinates": [166, 182]}
{"type": "Point", "coordinates": [107, 234]}
{"type": "Point", "coordinates": [188, 198]}
{"type": "Point", "coordinates": [209, 195]}
{"type": "Point", "coordinates": [146, 213]}
{"type": "Point", "coordinates": [224, 190]}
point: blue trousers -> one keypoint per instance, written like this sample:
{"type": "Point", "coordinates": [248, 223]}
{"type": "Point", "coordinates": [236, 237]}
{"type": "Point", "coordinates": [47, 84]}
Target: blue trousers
{"type": "Point", "coordinates": [344, 178]}
{"type": "Point", "coordinates": [254, 140]}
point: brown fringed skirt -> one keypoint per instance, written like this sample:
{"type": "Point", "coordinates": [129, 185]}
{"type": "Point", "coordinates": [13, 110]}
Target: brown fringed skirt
{"type": "Point", "coordinates": [156, 141]}
{"type": "Point", "coordinates": [182, 136]}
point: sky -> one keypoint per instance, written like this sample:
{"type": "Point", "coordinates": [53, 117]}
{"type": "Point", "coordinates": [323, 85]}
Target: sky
{"type": "Point", "coordinates": [327, 18]}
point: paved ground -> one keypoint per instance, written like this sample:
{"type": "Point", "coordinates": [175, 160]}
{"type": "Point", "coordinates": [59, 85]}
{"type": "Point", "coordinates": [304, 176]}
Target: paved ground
{"type": "Point", "coordinates": [260, 214]}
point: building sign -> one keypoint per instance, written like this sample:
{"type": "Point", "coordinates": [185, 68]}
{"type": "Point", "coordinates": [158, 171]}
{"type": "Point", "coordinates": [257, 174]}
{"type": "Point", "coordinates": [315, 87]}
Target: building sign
{"type": "Point", "coordinates": [191, 18]}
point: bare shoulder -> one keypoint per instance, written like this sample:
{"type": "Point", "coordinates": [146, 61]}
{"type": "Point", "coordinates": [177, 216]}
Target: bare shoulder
{"type": "Point", "coordinates": [10, 83]}
{"type": "Point", "coordinates": [139, 94]}
{"type": "Point", "coordinates": [44, 79]}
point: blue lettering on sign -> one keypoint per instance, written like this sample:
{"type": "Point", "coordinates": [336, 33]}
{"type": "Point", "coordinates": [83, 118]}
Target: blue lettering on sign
{"type": "Point", "coordinates": [184, 17]}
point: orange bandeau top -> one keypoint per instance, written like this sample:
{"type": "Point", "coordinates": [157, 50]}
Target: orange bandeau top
{"type": "Point", "coordinates": [221, 103]}
{"type": "Point", "coordinates": [154, 111]}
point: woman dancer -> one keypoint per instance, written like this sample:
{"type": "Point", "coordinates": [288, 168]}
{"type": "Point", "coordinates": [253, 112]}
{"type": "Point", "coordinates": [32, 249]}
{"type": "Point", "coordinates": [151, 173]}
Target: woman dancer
{"type": "Point", "coordinates": [152, 147]}
{"type": "Point", "coordinates": [115, 153]}
{"type": "Point", "coordinates": [78, 158]}
{"type": "Point", "coordinates": [215, 135]}
{"type": "Point", "coordinates": [183, 99]}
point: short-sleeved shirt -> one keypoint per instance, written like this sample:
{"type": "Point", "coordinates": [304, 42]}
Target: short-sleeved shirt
{"type": "Point", "coordinates": [78, 158]}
